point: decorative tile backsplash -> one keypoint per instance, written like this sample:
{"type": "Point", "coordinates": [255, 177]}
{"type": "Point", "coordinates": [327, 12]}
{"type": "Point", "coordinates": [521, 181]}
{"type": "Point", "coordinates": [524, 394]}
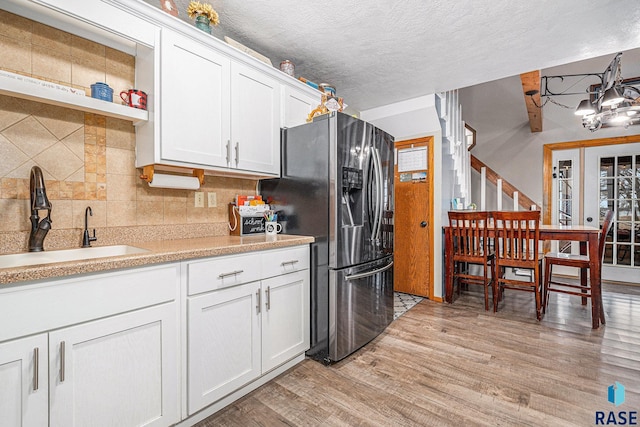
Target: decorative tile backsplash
{"type": "Point", "coordinates": [87, 159]}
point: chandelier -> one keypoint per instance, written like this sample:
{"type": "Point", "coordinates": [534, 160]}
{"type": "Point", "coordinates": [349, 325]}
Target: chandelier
{"type": "Point", "coordinates": [612, 102]}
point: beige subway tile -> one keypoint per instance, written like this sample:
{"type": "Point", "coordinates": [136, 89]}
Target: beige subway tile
{"type": "Point", "coordinates": [149, 213]}
{"type": "Point", "coordinates": [51, 39]}
{"type": "Point", "coordinates": [147, 194]}
{"type": "Point", "coordinates": [101, 168]}
{"type": "Point", "coordinates": [91, 191]}
{"type": "Point", "coordinates": [11, 111]}
{"type": "Point", "coordinates": [77, 176]}
{"type": "Point", "coordinates": [59, 161]}
{"type": "Point", "coordinates": [23, 188]}
{"type": "Point", "coordinates": [175, 211]}
{"type": "Point", "coordinates": [86, 73]}
{"type": "Point", "coordinates": [101, 190]}
{"type": "Point", "coordinates": [75, 142]}
{"type": "Point", "coordinates": [120, 134]}
{"type": "Point", "coordinates": [8, 188]}
{"type": "Point", "coordinates": [99, 218]}
{"type": "Point", "coordinates": [30, 136]}
{"type": "Point", "coordinates": [61, 122]}
{"type": "Point", "coordinates": [121, 187]}
{"type": "Point", "coordinates": [87, 50]}
{"type": "Point", "coordinates": [15, 26]}
{"type": "Point", "coordinates": [53, 188]}
{"type": "Point", "coordinates": [14, 215]}
{"type": "Point", "coordinates": [121, 161]}
{"type": "Point", "coordinates": [11, 156]}
{"type": "Point", "coordinates": [121, 213]}
{"type": "Point", "coordinates": [51, 65]}
{"type": "Point", "coordinates": [16, 55]}
{"type": "Point", "coordinates": [62, 214]}
{"type": "Point", "coordinates": [66, 190]}
{"type": "Point", "coordinates": [90, 177]}
{"type": "Point", "coordinates": [78, 191]}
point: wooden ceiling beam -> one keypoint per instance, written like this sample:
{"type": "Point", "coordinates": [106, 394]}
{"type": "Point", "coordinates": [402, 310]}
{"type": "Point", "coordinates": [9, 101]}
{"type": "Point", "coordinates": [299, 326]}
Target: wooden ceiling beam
{"type": "Point", "coordinates": [530, 84]}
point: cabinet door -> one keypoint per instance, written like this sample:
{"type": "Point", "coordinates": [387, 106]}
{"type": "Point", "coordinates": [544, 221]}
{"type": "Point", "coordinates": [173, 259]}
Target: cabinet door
{"type": "Point", "coordinates": [255, 120]}
{"type": "Point", "coordinates": [224, 343]}
{"type": "Point", "coordinates": [296, 106]}
{"type": "Point", "coordinates": [117, 371]}
{"type": "Point", "coordinates": [285, 318]}
{"type": "Point", "coordinates": [24, 400]}
{"type": "Point", "coordinates": [194, 103]}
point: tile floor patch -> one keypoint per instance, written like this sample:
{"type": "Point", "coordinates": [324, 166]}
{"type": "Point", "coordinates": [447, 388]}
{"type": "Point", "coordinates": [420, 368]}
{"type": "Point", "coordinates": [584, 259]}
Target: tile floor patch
{"type": "Point", "coordinates": [403, 302]}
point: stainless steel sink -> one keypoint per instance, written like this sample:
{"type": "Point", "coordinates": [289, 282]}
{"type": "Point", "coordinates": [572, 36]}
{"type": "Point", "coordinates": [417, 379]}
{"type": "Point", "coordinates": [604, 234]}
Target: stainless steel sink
{"type": "Point", "coordinates": [48, 257]}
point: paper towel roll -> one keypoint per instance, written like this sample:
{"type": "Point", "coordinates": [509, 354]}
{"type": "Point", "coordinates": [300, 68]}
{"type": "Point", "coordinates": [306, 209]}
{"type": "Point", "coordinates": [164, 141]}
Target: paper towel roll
{"type": "Point", "coordinates": [175, 181]}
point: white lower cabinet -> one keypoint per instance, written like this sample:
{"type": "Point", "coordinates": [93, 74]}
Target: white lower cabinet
{"type": "Point", "coordinates": [239, 333]}
{"type": "Point", "coordinates": [118, 371]}
{"type": "Point", "coordinates": [224, 343]}
{"type": "Point", "coordinates": [99, 350]}
{"type": "Point", "coordinates": [285, 318]}
{"type": "Point", "coordinates": [108, 349]}
{"type": "Point", "coordinates": [24, 399]}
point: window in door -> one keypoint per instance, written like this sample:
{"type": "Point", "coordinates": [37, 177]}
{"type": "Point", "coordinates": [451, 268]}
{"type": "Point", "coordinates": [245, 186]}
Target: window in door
{"type": "Point", "coordinates": [565, 199]}
{"type": "Point", "coordinates": [619, 184]}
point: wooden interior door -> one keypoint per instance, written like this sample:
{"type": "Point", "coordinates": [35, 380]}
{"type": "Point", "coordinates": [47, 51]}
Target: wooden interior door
{"type": "Point", "coordinates": [413, 245]}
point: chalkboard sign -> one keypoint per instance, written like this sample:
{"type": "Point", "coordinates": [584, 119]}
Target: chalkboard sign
{"type": "Point", "coordinates": [251, 225]}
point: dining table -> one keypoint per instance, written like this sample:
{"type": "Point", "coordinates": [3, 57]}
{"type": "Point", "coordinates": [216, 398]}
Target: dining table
{"type": "Point", "coordinates": [587, 235]}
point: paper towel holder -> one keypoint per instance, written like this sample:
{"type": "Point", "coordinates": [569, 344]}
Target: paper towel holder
{"type": "Point", "coordinates": [147, 174]}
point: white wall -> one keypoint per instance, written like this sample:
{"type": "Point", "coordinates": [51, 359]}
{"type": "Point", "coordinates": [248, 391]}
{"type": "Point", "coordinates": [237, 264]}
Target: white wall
{"type": "Point", "coordinates": [504, 141]}
{"type": "Point", "coordinates": [411, 119]}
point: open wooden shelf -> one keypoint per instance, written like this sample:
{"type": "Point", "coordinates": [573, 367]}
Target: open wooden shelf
{"type": "Point", "coordinates": [26, 90]}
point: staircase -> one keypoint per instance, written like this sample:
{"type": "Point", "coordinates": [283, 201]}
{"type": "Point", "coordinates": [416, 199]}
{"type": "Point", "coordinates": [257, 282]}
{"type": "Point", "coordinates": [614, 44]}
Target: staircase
{"type": "Point", "coordinates": [507, 188]}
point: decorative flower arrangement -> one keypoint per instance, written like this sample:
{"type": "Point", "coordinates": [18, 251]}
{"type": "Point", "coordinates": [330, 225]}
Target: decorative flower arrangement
{"type": "Point", "coordinates": [196, 9]}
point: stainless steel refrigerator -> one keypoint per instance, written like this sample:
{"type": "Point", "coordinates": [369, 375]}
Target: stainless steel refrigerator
{"type": "Point", "coordinates": [337, 185]}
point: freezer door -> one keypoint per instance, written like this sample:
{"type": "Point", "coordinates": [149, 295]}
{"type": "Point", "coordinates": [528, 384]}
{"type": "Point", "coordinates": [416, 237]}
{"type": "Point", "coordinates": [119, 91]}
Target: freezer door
{"type": "Point", "coordinates": [360, 305]}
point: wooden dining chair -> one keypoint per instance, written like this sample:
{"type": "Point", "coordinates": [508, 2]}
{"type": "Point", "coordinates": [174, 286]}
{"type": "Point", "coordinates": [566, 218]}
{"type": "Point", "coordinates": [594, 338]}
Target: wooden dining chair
{"type": "Point", "coordinates": [584, 289]}
{"type": "Point", "coordinates": [517, 237]}
{"type": "Point", "coordinates": [470, 246]}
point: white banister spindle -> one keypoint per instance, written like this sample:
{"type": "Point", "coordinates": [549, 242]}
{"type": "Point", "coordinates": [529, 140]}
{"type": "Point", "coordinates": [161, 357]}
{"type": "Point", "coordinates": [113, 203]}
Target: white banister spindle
{"type": "Point", "coordinates": [499, 191]}
{"type": "Point", "coordinates": [483, 188]}
{"type": "Point", "coordinates": [515, 201]}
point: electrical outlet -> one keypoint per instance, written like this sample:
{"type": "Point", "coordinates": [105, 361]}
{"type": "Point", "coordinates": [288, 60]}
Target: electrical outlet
{"type": "Point", "coordinates": [212, 201]}
{"type": "Point", "coordinates": [199, 203]}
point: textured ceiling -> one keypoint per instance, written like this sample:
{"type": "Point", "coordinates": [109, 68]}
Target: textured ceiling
{"type": "Point", "coordinates": [377, 52]}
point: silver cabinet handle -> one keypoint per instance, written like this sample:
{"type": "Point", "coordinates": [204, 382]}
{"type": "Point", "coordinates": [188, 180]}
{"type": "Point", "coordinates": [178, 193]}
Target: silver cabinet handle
{"type": "Point", "coordinates": [232, 273]}
{"type": "Point", "coordinates": [62, 361]}
{"type": "Point", "coordinates": [228, 151]}
{"type": "Point", "coordinates": [36, 364]}
{"type": "Point", "coordinates": [258, 299]}
{"type": "Point", "coordinates": [268, 292]}
{"type": "Point", "coordinates": [237, 153]}
{"type": "Point", "coordinates": [293, 261]}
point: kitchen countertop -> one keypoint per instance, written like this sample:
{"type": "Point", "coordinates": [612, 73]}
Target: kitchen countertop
{"type": "Point", "coordinates": [159, 252]}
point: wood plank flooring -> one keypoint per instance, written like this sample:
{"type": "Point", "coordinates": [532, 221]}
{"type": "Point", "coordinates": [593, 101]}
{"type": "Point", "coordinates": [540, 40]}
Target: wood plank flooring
{"type": "Point", "coordinates": [454, 365]}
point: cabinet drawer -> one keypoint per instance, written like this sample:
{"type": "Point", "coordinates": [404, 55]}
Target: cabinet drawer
{"type": "Point", "coordinates": [281, 261]}
{"type": "Point", "coordinates": [222, 272]}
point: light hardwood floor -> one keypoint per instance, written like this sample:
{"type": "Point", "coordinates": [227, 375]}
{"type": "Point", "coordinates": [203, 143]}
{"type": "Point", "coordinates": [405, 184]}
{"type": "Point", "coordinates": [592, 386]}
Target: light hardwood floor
{"type": "Point", "coordinates": [457, 365]}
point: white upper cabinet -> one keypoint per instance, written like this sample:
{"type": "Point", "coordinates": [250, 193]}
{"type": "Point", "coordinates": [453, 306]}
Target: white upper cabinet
{"type": "Point", "coordinates": [297, 104]}
{"type": "Point", "coordinates": [255, 120]}
{"type": "Point", "coordinates": [194, 97]}
{"type": "Point", "coordinates": [210, 111]}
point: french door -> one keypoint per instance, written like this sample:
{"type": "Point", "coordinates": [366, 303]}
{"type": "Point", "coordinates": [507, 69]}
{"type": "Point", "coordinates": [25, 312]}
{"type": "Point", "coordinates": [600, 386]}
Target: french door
{"type": "Point", "coordinates": [612, 182]}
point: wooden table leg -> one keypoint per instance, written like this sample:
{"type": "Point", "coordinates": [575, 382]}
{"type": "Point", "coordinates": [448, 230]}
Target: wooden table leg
{"type": "Point", "coordinates": [583, 272]}
{"type": "Point", "coordinates": [448, 266]}
{"type": "Point", "coordinates": [594, 273]}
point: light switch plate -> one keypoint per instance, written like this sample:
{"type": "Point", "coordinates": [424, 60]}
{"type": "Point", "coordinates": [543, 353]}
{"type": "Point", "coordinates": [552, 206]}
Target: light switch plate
{"type": "Point", "coordinates": [212, 201]}
{"type": "Point", "coordinates": [199, 197]}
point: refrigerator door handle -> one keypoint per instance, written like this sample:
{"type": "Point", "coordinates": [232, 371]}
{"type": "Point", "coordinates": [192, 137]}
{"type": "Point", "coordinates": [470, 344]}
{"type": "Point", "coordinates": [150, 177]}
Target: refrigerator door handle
{"type": "Point", "coordinates": [369, 273]}
{"type": "Point", "coordinates": [377, 222]}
